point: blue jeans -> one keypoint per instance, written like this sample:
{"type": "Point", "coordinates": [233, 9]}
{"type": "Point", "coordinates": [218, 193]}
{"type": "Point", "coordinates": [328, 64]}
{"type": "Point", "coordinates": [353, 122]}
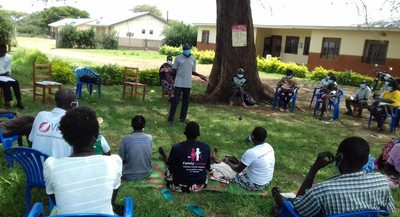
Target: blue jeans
{"type": "Point", "coordinates": [178, 91]}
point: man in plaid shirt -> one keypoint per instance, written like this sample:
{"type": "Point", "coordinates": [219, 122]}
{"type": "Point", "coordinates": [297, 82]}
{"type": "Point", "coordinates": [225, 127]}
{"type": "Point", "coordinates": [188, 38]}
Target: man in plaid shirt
{"type": "Point", "coordinates": [352, 190]}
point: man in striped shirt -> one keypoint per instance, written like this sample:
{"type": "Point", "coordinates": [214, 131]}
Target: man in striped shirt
{"type": "Point", "coordinates": [352, 190]}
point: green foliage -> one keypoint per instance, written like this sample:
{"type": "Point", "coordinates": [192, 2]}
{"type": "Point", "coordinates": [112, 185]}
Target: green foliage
{"type": "Point", "coordinates": [68, 36]}
{"type": "Point", "coordinates": [86, 38]}
{"type": "Point", "coordinates": [149, 77]}
{"type": "Point", "coordinates": [36, 56]}
{"type": "Point", "coordinates": [109, 40]}
{"type": "Point", "coordinates": [170, 50]}
{"type": "Point", "coordinates": [148, 8]}
{"type": "Point", "coordinates": [205, 57]}
{"type": "Point", "coordinates": [6, 28]}
{"type": "Point", "coordinates": [62, 72]}
{"type": "Point", "coordinates": [179, 33]}
{"type": "Point", "coordinates": [343, 78]}
{"type": "Point", "coordinates": [53, 14]}
{"type": "Point", "coordinates": [274, 65]}
{"type": "Point", "coordinates": [111, 74]}
{"type": "Point", "coordinates": [319, 73]}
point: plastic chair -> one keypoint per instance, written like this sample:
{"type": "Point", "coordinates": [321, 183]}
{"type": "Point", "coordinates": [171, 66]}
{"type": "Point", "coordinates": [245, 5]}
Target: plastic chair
{"type": "Point", "coordinates": [80, 71]}
{"type": "Point", "coordinates": [37, 211]}
{"type": "Point", "coordinates": [315, 93]}
{"type": "Point", "coordinates": [394, 119]}
{"type": "Point", "coordinates": [31, 161]}
{"type": "Point", "coordinates": [131, 79]}
{"type": "Point", "coordinates": [42, 79]}
{"type": "Point", "coordinates": [278, 99]}
{"type": "Point", "coordinates": [335, 105]}
{"type": "Point", "coordinates": [288, 211]}
{"type": "Point", "coordinates": [7, 142]}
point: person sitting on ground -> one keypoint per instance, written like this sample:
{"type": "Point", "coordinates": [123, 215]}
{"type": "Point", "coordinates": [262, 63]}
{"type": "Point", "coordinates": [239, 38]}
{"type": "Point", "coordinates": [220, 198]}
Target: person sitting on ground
{"type": "Point", "coordinates": [19, 125]}
{"type": "Point", "coordinates": [239, 83]}
{"type": "Point", "coordinates": [135, 150]}
{"type": "Point", "coordinates": [45, 134]}
{"type": "Point", "coordinates": [188, 162]}
{"type": "Point", "coordinates": [256, 168]}
{"type": "Point", "coordinates": [382, 107]}
{"type": "Point", "coordinates": [84, 181]}
{"type": "Point", "coordinates": [286, 86]}
{"type": "Point", "coordinates": [360, 99]}
{"type": "Point", "coordinates": [167, 77]}
{"type": "Point", "coordinates": [329, 94]}
{"type": "Point", "coordinates": [6, 81]}
{"type": "Point", "coordinates": [352, 190]}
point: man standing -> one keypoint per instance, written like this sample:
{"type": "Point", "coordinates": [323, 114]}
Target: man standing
{"type": "Point", "coordinates": [184, 67]}
{"type": "Point", "coordinates": [6, 81]}
{"type": "Point", "coordinates": [360, 99]}
{"type": "Point", "coordinates": [351, 190]}
{"type": "Point", "coordinates": [46, 135]}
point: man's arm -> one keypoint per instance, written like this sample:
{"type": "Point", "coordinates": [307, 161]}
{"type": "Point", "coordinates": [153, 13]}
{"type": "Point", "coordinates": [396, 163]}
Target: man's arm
{"type": "Point", "coordinates": [204, 78]}
{"type": "Point", "coordinates": [236, 167]}
{"type": "Point", "coordinates": [323, 159]}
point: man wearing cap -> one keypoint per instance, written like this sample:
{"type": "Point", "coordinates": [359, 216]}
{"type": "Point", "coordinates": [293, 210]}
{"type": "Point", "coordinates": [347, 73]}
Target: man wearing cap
{"type": "Point", "coordinates": [360, 99]}
{"type": "Point", "coordinates": [167, 78]}
{"type": "Point", "coordinates": [184, 67]}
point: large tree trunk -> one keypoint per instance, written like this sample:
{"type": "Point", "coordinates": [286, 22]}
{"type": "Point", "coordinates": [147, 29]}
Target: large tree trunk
{"type": "Point", "coordinates": [229, 58]}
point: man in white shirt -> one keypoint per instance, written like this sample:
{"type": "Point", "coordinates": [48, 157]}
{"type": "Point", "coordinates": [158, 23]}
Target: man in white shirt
{"type": "Point", "coordinates": [6, 81]}
{"type": "Point", "coordinates": [45, 134]}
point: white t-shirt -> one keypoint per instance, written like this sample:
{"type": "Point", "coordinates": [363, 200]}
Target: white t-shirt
{"type": "Point", "coordinates": [260, 162]}
{"type": "Point", "coordinates": [83, 184]}
{"type": "Point", "coordinates": [5, 64]}
{"type": "Point", "coordinates": [46, 135]}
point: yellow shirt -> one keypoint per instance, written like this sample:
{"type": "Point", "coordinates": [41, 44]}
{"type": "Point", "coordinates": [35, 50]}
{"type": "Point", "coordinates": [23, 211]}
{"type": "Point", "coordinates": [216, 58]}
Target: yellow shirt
{"type": "Point", "coordinates": [394, 96]}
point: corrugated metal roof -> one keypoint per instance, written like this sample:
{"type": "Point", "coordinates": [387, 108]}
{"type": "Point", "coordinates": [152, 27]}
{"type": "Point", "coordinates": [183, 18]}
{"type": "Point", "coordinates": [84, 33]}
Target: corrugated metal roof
{"type": "Point", "coordinates": [71, 21]}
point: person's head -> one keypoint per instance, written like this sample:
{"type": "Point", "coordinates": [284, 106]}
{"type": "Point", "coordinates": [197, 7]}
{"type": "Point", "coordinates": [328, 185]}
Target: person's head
{"type": "Point", "coordinates": [3, 50]}
{"type": "Point", "coordinates": [186, 49]}
{"type": "Point", "coordinates": [258, 135]}
{"type": "Point", "coordinates": [80, 128]}
{"type": "Point", "coordinates": [331, 79]}
{"type": "Point", "coordinates": [240, 73]}
{"type": "Point", "coordinates": [393, 85]}
{"type": "Point", "coordinates": [66, 99]}
{"type": "Point", "coordinates": [289, 73]}
{"type": "Point", "coordinates": [352, 154]}
{"type": "Point", "coordinates": [192, 130]}
{"type": "Point", "coordinates": [329, 75]}
{"type": "Point", "coordinates": [169, 59]}
{"type": "Point", "coordinates": [363, 84]}
{"type": "Point", "coordinates": [138, 123]}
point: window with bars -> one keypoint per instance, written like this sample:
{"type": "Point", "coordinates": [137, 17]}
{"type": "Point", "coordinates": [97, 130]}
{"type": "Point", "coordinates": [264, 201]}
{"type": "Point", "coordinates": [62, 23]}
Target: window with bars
{"type": "Point", "coordinates": [330, 48]}
{"type": "Point", "coordinates": [375, 52]}
{"type": "Point", "coordinates": [205, 36]}
{"type": "Point", "coordinates": [292, 44]}
{"type": "Point", "coordinates": [306, 49]}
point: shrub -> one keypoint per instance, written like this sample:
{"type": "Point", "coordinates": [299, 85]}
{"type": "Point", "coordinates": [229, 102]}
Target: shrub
{"type": "Point", "coordinates": [36, 56]}
{"type": "Point", "coordinates": [109, 40]}
{"type": "Point", "coordinates": [62, 72]}
{"type": "Point", "coordinates": [86, 38]}
{"type": "Point", "coordinates": [169, 50]}
{"type": "Point", "coordinates": [206, 57]}
{"type": "Point", "coordinates": [149, 77]}
{"type": "Point", "coordinates": [111, 74]}
{"type": "Point", "coordinates": [318, 73]}
{"type": "Point", "coordinates": [68, 35]}
{"type": "Point", "coordinates": [274, 65]}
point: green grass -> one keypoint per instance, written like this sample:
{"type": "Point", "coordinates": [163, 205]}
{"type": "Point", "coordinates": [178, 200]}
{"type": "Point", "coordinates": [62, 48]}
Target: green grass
{"type": "Point", "coordinates": [296, 137]}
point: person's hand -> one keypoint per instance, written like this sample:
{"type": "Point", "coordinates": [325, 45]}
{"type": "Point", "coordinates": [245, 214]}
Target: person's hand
{"type": "Point", "coordinates": [204, 78]}
{"type": "Point", "coordinates": [324, 159]}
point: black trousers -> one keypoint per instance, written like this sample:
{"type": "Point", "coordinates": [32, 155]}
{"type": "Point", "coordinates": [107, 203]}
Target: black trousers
{"type": "Point", "coordinates": [178, 91]}
{"type": "Point", "coordinates": [7, 90]}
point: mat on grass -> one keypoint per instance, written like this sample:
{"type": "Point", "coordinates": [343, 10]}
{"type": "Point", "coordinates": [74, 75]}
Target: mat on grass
{"type": "Point", "coordinates": [157, 180]}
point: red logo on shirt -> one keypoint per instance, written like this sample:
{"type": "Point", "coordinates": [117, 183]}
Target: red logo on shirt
{"type": "Point", "coordinates": [44, 127]}
{"type": "Point", "coordinates": [195, 154]}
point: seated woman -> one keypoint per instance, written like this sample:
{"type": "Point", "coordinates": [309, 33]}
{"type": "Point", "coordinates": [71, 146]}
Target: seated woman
{"type": "Point", "coordinates": [188, 162]}
{"type": "Point", "coordinates": [167, 77]}
{"type": "Point", "coordinates": [84, 181]}
{"type": "Point", "coordinates": [135, 150]}
{"type": "Point", "coordinates": [384, 103]}
{"type": "Point", "coordinates": [286, 88]}
{"type": "Point", "coordinates": [329, 94]}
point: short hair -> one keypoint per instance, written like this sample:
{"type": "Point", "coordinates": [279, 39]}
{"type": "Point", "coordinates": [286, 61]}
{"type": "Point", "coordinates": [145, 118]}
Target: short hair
{"type": "Point", "coordinates": [186, 47]}
{"type": "Point", "coordinates": [289, 72]}
{"type": "Point", "coordinates": [332, 77]}
{"type": "Point", "coordinates": [330, 73]}
{"type": "Point", "coordinates": [192, 130]}
{"type": "Point", "coordinates": [169, 57]}
{"type": "Point", "coordinates": [355, 152]}
{"type": "Point", "coordinates": [138, 122]}
{"type": "Point", "coordinates": [3, 47]}
{"type": "Point", "coordinates": [259, 134]}
{"type": "Point", "coordinates": [79, 126]}
{"type": "Point", "coordinates": [64, 97]}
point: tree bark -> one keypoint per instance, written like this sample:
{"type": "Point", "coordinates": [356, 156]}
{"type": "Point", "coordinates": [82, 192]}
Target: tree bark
{"type": "Point", "coordinates": [229, 58]}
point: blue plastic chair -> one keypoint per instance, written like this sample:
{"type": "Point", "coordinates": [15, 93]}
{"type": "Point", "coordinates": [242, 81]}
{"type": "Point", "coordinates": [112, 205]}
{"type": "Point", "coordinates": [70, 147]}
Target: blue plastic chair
{"type": "Point", "coordinates": [288, 211]}
{"type": "Point", "coordinates": [37, 211]}
{"type": "Point", "coordinates": [315, 94]}
{"type": "Point", "coordinates": [278, 99]}
{"type": "Point", "coordinates": [80, 71]}
{"type": "Point", "coordinates": [394, 119]}
{"type": "Point", "coordinates": [8, 141]}
{"type": "Point", "coordinates": [31, 161]}
{"type": "Point", "coordinates": [334, 105]}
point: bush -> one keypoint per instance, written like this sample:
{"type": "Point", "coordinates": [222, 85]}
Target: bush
{"type": "Point", "coordinates": [86, 39]}
{"type": "Point", "coordinates": [36, 56]}
{"type": "Point", "coordinates": [62, 72]}
{"type": "Point", "coordinates": [169, 50]}
{"type": "Point", "coordinates": [274, 65]}
{"type": "Point", "coordinates": [149, 77]}
{"type": "Point", "coordinates": [68, 36]}
{"type": "Point", "coordinates": [318, 73]}
{"type": "Point", "coordinates": [111, 74]}
{"type": "Point", "coordinates": [109, 40]}
{"type": "Point", "coordinates": [206, 57]}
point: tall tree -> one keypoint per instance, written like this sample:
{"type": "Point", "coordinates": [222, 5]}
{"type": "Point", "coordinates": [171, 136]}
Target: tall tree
{"type": "Point", "coordinates": [54, 14]}
{"type": "Point", "coordinates": [229, 56]}
{"type": "Point", "coordinates": [179, 33]}
{"type": "Point", "coordinates": [6, 27]}
{"type": "Point", "coordinates": [148, 8]}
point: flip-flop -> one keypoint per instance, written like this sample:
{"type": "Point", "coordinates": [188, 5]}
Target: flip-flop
{"type": "Point", "coordinates": [166, 194]}
{"type": "Point", "coordinates": [195, 209]}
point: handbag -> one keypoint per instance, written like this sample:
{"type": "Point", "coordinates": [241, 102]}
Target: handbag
{"type": "Point", "coordinates": [90, 79]}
